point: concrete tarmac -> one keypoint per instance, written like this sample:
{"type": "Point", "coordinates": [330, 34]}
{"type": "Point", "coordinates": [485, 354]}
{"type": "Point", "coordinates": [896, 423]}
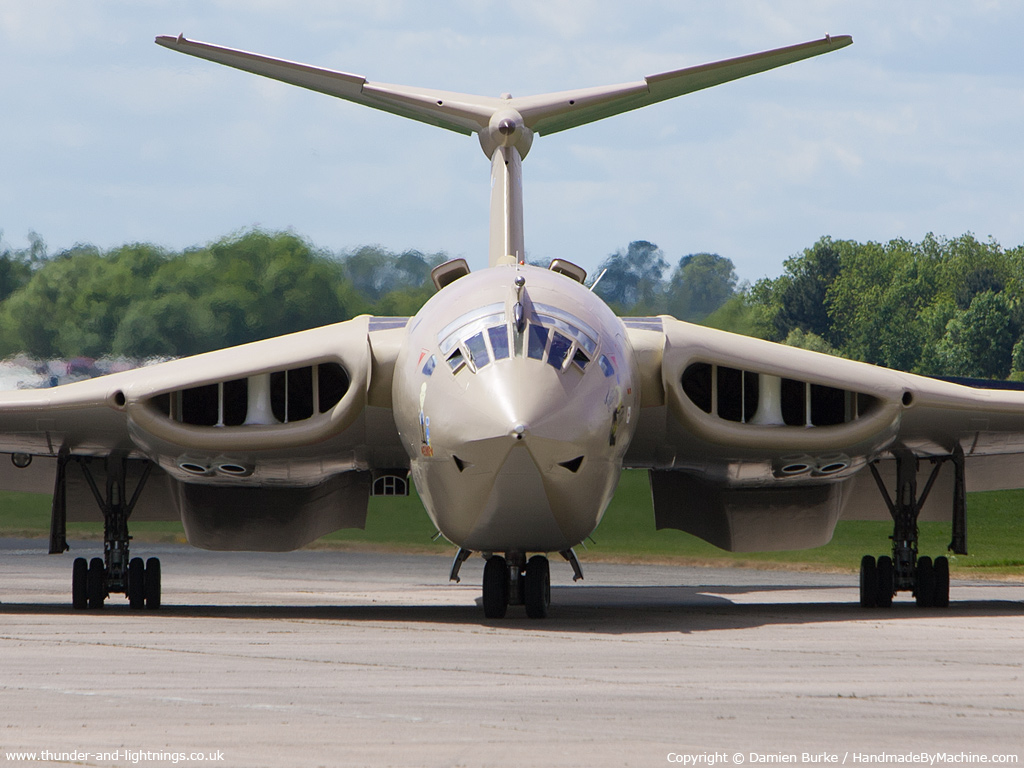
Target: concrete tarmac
{"type": "Point", "coordinates": [325, 658]}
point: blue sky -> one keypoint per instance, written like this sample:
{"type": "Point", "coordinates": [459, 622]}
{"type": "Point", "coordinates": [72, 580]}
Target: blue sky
{"type": "Point", "coordinates": [107, 138]}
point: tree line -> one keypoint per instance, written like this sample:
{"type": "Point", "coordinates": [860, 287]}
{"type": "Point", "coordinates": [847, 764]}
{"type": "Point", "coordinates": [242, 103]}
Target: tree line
{"type": "Point", "coordinates": [940, 307]}
{"type": "Point", "coordinates": [943, 307]}
{"type": "Point", "coordinates": [140, 300]}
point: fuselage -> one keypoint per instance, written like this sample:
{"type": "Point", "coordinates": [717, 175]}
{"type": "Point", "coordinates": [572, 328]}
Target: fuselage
{"type": "Point", "coordinates": [516, 395]}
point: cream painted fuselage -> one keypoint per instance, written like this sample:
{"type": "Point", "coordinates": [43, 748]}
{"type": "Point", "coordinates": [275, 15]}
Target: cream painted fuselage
{"type": "Point", "coordinates": [516, 430]}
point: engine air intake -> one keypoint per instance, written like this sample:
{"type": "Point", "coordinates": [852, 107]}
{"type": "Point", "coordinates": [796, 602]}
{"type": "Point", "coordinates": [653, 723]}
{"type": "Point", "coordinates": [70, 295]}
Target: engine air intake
{"type": "Point", "coordinates": [750, 397]}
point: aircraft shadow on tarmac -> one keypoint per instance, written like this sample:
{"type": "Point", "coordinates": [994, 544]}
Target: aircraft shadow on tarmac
{"type": "Point", "coordinates": [609, 610]}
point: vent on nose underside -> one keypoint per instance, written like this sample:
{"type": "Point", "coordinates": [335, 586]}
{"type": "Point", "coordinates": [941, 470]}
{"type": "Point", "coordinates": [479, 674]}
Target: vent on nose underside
{"type": "Point", "coordinates": [460, 463]}
{"type": "Point", "coordinates": [572, 465]}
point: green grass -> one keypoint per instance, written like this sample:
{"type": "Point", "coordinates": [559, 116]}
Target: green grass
{"type": "Point", "coordinates": [995, 528]}
{"type": "Point", "coordinates": [995, 536]}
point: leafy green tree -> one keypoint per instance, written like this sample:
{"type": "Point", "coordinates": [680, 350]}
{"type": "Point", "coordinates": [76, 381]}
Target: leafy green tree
{"type": "Point", "coordinates": [797, 299]}
{"type": "Point", "coordinates": [632, 282]}
{"type": "Point", "coordinates": [876, 302]}
{"type": "Point", "coordinates": [73, 302]}
{"type": "Point", "coordinates": [700, 284]}
{"type": "Point", "coordinates": [979, 341]}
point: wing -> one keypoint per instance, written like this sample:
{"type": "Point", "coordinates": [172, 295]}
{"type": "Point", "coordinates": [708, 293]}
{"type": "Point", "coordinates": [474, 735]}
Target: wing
{"type": "Point", "coordinates": [258, 446]}
{"type": "Point", "coordinates": [754, 445]}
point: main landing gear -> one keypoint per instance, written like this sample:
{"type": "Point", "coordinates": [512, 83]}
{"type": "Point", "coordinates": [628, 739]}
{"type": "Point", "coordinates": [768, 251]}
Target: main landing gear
{"type": "Point", "coordinates": [93, 581]}
{"type": "Point", "coordinates": [904, 571]}
{"type": "Point", "coordinates": [516, 580]}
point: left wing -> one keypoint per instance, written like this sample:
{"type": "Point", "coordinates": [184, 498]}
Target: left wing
{"type": "Point", "coordinates": [757, 445]}
{"type": "Point", "coordinates": [262, 445]}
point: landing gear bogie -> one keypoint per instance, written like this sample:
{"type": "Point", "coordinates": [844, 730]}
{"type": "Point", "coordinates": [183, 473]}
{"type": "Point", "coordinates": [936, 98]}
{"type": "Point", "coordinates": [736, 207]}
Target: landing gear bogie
{"type": "Point", "coordinates": [90, 583]}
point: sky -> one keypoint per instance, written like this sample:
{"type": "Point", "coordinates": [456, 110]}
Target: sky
{"type": "Point", "coordinates": [107, 138]}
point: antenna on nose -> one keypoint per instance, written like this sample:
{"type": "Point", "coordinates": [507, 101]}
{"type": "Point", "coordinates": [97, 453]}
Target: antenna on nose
{"type": "Point", "coordinates": [517, 311]}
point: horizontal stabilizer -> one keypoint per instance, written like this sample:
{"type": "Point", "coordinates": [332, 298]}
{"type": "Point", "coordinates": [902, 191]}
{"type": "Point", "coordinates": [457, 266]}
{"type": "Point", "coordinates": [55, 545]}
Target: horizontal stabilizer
{"type": "Point", "coordinates": [458, 112]}
{"type": "Point", "coordinates": [543, 114]}
{"type": "Point", "coordinates": [558, 111]}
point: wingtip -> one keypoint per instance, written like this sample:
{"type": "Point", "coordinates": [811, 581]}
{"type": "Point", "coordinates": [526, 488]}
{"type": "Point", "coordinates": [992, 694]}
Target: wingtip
{"type": "Point", "coordinates": [169, 40]}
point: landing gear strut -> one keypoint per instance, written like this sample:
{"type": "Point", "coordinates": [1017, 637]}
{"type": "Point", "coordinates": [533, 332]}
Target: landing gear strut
{"type": "Point", "coordinates": [93, 581]}
{"type": "Point", "coordinates": [904, 571]}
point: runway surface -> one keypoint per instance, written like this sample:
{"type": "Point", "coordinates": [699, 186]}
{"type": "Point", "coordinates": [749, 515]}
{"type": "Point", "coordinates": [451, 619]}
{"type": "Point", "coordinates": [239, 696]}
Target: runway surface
{"type": "Point", "coordinates": [322, 658]}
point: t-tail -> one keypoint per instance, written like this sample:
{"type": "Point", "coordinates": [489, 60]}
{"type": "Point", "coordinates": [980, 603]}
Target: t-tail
{"type": "Point", "coordinates": [506, 125]}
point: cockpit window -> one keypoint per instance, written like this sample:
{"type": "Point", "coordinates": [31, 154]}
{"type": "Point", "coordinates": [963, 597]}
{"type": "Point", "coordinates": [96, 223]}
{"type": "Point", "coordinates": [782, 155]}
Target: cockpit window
{"type": "Point", "coordinates": [456, 359]}
{"type": "Point", "coordinates": [538, 341]}
{"type": "Point", "coordinates": [571, 326]}
{"type": "Point", "coordinates": [478, 350]}
{"type": "Point", "coordinates": [560, 346]}
{"type": "Point", "coordinates": [499, 341]}
{"type": "Point", "coordinates": [466, 325]}
{"type": "Point", "coordinates": [478, 338]}
{"type": "Point", "coordinates": [580, 359]}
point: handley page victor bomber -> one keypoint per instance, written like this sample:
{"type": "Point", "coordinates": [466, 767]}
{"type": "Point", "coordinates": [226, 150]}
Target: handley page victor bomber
{"type": "Point", "coordinates": [514, 398]}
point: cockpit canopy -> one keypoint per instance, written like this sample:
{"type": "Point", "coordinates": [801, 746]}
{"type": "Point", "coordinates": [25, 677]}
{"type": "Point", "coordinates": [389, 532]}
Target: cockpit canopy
{"type": "Point", "coordinates": [485, 335]}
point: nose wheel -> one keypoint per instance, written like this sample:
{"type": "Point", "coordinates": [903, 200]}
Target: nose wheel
{"type": "Point", "coordinates": [495, 588]}
{"type": "Point", "coordinates": [513, 580]}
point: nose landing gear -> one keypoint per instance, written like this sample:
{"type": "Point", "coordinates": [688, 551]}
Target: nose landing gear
{"type": "Point", "coordinates": [514, 580]}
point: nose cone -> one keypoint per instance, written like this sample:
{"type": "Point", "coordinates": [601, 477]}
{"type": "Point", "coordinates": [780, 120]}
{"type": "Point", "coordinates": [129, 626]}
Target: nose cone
{"type": "Point", "coordinates": [521, 459]}
{"type": "Point", "coordinates": [525, 402]}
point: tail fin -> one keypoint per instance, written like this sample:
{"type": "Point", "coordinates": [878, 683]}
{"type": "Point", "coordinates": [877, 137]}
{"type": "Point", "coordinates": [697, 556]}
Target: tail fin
{"type": "Point", "coordinates": [506, 126]}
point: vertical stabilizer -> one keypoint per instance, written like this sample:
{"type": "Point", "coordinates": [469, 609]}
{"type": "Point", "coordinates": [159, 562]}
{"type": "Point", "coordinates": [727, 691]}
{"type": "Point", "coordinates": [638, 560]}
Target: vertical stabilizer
{"type": "Point", "coordinates": [507, 245]}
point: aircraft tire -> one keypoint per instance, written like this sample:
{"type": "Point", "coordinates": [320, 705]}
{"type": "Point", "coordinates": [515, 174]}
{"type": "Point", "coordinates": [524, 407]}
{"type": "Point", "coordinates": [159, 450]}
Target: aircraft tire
{"type": "Point", "coordinates": [537, 587]}
{"type": "Point", "coordinates": [495, 597]}
{"type": "Point", "coordinates": [151, 580]}
{"type": "Point", "coordinates": [868, 582]}
{"type": "Point", "coordinates": [136, 583]}
{"type": "Point", "coordinates": [96, 588]}
{"type": "Point", "coordinates": [80, 584]}
{"type": "Point", "coordinates": [941, 568]}
{"type": "Point", "coordinates": [886, 582]}
{"type": "Point", "coordinates": [925, 591]}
